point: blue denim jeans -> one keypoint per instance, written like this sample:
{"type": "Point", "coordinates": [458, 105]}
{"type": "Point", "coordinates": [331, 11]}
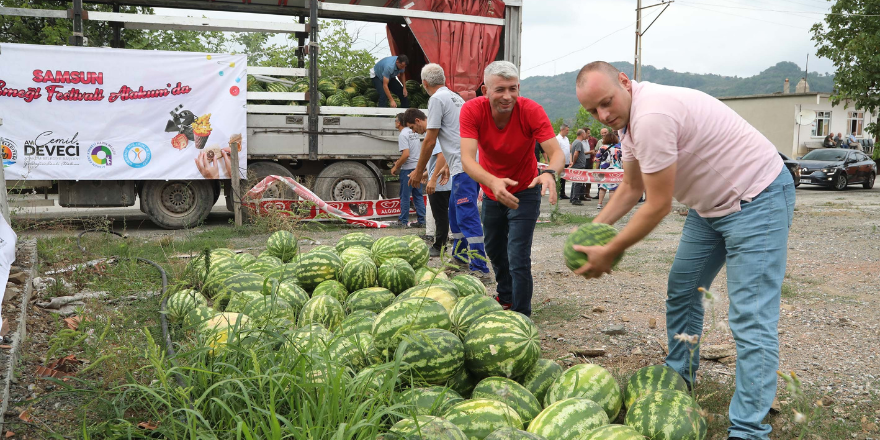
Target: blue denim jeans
{"type": "Point", "coordinates": [509, 235]}
{"type": "Point", "coordinates": [406, 192]}
{"type": "Point", "coordinates": [753, 243]}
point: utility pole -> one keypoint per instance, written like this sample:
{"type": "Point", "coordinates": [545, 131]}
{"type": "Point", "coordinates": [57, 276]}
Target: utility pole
{"type": "Point", "coordinates": [637, 63]}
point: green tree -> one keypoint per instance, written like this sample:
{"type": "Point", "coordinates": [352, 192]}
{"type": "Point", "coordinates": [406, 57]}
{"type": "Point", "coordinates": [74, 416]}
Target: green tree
{"type": "Point", "coordinates": [337, 57]}
{"type": "Point", "coordinates": [849, 38]}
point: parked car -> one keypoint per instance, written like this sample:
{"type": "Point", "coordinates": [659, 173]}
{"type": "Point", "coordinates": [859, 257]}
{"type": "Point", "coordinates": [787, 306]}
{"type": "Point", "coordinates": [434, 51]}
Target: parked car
{"type": "Point", "coordinates": [793, 167]}
{"type": "Point", "coordinates": [837, 168]}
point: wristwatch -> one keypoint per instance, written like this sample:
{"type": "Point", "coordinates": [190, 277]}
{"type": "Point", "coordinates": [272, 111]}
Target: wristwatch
{"type": "Point", "coordinates": [553, 172]}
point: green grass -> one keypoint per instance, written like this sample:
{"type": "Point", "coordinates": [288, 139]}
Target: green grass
{"type": "Point", "coordinates": [556, 311]}
{"type": "Point", "coordinates": [788, 291]}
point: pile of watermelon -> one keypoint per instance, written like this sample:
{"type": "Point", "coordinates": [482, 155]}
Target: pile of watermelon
{"type": "Point", "coordinates": [469, 370]}
{"type": "Point", "coordinates": [357, 91]}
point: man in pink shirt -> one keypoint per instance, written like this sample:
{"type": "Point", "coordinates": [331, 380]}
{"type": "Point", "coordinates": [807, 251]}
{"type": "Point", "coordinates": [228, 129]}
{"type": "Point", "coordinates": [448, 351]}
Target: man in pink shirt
{"type": "Point", "coordinates": [682, 143]}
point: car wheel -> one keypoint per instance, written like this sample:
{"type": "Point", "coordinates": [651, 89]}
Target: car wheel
{"type": "Point", "coordinates": [868, 184]}
{"type": "Point", "coordinates": [177, 204]}
{"type": "Point", "coordinates": [840, 182]}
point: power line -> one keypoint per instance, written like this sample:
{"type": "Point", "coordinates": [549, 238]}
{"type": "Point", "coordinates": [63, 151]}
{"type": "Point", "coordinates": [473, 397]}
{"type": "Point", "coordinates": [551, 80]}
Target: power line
{"type": "Point", "coordinates": [742, 16]}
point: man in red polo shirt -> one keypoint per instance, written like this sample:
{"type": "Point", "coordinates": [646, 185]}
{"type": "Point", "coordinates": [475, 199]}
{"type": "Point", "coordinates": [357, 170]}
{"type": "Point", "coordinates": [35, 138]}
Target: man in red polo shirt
{"type": "Point", "coordinates": [504, 127]}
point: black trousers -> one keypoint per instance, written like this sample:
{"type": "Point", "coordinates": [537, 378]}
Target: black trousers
{"type": "Point", "coordinates": [440, 210]}
{"type": "Point", "coordinates": [395, 88]}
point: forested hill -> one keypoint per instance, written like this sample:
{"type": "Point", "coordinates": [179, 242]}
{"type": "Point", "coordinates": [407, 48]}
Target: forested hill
{"type": "Point", "coordinates": [556, 93]}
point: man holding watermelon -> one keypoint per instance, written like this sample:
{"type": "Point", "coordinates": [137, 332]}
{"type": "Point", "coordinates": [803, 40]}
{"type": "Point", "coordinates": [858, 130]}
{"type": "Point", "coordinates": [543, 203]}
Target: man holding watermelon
{"type": "Point", "coordinates": [683, 143]}
{"type": "Point", "coordinates": [504, 126]}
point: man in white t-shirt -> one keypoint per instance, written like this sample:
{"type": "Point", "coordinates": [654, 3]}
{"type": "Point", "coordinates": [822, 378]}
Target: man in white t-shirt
{"type": "Point", "coordinates": [565, 146]}
{"type": "Point", "coordinates": [410, 147]}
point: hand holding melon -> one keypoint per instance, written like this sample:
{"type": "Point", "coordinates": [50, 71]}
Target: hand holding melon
{"type": "Point", "coordinates": [585, 251]}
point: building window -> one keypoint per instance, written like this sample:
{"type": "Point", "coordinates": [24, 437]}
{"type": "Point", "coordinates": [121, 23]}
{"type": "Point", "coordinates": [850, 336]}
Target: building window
{"type": "Point", "coordinates": [822, 124]}
{"type": "Point", "coordinates": [855, 122]}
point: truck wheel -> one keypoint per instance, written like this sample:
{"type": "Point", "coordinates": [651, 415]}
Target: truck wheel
{"type": "Point", "coordinates": [257, 171]}
{"type": "Point", "coordinates": [347, 181]}
{"type": "Point", "coordinates": [177, 204]}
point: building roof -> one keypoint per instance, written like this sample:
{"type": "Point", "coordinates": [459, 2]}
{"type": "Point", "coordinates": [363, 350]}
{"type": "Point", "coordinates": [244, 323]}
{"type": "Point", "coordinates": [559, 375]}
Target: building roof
{"type": "Point", "coordinates": [775, 95]}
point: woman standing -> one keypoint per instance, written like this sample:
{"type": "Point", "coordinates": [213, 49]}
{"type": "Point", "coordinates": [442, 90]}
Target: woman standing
{"type": "Point", "coordinates": [609, 159]}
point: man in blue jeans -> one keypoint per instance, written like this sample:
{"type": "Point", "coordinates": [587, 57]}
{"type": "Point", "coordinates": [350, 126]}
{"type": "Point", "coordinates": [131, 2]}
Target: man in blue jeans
{"type": "Point", "coordinates": [410, 147]}
{"type": "Point", "coordinates": [503, 126]}
{"type": "Point", "coordinates": [681, 143]}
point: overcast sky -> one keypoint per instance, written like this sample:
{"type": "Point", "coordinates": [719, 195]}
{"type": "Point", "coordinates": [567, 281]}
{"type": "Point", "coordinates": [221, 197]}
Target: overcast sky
{"type": "Point", "coordinates": [726, 37]}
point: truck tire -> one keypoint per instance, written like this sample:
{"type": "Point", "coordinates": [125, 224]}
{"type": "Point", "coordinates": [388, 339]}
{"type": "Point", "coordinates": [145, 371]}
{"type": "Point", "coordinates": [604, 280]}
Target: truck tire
{"type": "Point", "coordinates": [257, 171]}
{"type": "Point", "coordinates": [177, 204]}
{"type": "Point", "coordinates": [347, 181]}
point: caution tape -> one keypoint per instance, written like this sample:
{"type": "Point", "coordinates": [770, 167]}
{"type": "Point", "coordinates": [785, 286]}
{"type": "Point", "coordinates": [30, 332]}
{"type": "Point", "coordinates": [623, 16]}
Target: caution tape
{"type": "Point", "coordinates": [576, 175]}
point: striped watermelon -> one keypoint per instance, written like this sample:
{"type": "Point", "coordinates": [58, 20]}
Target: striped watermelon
{"type": "Point", "coordinates": [182, 302]}
{"type": "Point", "coordinates": [418, 251]}
{"type": "Point", "coordinates": [396, 275]}
{"type": "Point", "coordinates": [501, 343]}
{"type": "Point", "coordinates": [354, 239]}
{"type": "Point", "coordinates": [355, 253]}
{"type": "Point", "coordinates": [240, 282]}
{"type": "Point", "coordinates": [244, 259]}
{"type": "Point", "coordinates": [468, 309]}
{"type": "Point", "coordinates": [359, 274]}
{"type": "Point", "coordinates": [389, 247]}
{"type": "Point", "coordinates": [376, 377]}
{"type": "Point", "coordinates": [265, 266]}
{"type": "Point", "coordinates": [284, 272]}
{"type": "Point", "coordinates": [429, 401]}
{"type": "Point", "coordinates": [283, 245]}
{"type": "Point", "coordinates": [514, 434]}
{"type": "Point", "coordinates": [295, 296]}
{"type": "Point", "coordinates": [431, 355]}
{"type": "Point", "coordinates": [463, 382]}
{"type": "Point", "coordinates": [324, 248]}
{"type": "Point", "coordinates": [223, 252]}
{"type": "Point", "coordinates": [197, 316]}
{"type": "Point", "coordinates": [425, 427]}
{"type": "Point", "coordinates": [324, 310]}
{"type": "Point", "coordinates": [539, 378]}
{"type": "Point", "coordinates": [667, 415]}
{"type": "Point", "coordinates": [569, 419]}
{"type": "Point", "coordinates": [406, 317]}
{"type": "Point", "coordinates": [650, 379]}
{"type": "Point", "coordinates": [354, 350]}
{"type": "Point", "coordinates": [439, 282]}
{"type": "Point", "coordinates": [374, 299]}
{"type": "Point", "coordinates": [588, 234]}
{"type": "Point", "coordinates": [590, 381]}
{"type": "Point", "coordinates": [222, 321]}
{"type": "Point", "coordinates": [360, 321]}
{"type": "Point", "coordinates": [221, 269]}
{"type": "Point", "coordinates": [505, 390]}
{"type": "Point", "coordinates": [468, 285]}
{"type": "Point", "coordinates": [265, 309]}
{"type": "Point", "coordinates": [312, 337]}
{"type": "Point", "coordinates": [313, 268]}
{"type": "Point", "coordinates": [424, 274]}
{"type": "Point", "coordinates": [613, 432]}
{"type": "Point", "coordinates": [442, 294]}
{"type": "Point", "coordinates": [480, 417]}
{"type": "Point", "coordinates": [332, 288]}
{"type": "Point", "coordinates": [238, 300]}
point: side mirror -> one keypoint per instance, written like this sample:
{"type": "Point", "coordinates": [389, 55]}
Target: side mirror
{"type": "Point", "coordinates": [800, 157]}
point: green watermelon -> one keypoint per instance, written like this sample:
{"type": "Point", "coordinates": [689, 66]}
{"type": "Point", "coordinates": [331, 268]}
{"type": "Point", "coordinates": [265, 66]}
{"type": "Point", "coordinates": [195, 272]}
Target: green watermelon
{"type": "Point", "coordinates": [237, 301]}
{"type": "Point", "coordinates": [374, 299]}
{"type": "Point", "coordinates": [276, 87]}
{"type": "Point", "coordinates": [480, 417]}
{"type": "Point", "coordinates": [539, 378]}
{"type": "Point", "coordinates": [265, 266]}
{"type": "Point", "coordinates": [418, 251]}
{"type": "Point", "coordinates": [613, 432]}
{"type": "Point", "coordinates": [425, 427]}
{"type": "Point", "coordinates": [590, 381]}
{"type": "Point", "coordinates": [650, 379]}
{"type": "Point", "coordinates": [324, 248]}
{"type": "Point", "coordinates": [505, 390]}
{"type": "Point", "coordinates": [360, 321]}
{"type": "Point", "coordinates": [244, 259]}
{"type": "Point", "coordinates": [256, 87]}
{"type": "Point", "coordinates": [440, 282]}
{"type": "Point", "coordinates": [463, 382]}
{"type": "Point", "coordinates": [333, 288]}
{"type": "Point", "coordinates": [501, 343]}
{"type": "Point", "coordinates": [442, 294]}
{"type": "Point", "coordinates": [354, 350]}
{"type": "Point", "coordinates": [413, 86]}
{"type": "Point", "coordinates": [312, 337]}
{"type": "Point", "coordinates": [265, 309]}
{"type": "Point", "coordinates": [324, 310]}
{"type": "Point", "coordinates": [313, 268]}
{"type": "Point", "coordinates": [396, 275]}
{"type": "Point", "coordinates": [180, 303]}
{"type": "Point", "coordinates": [327, 87]}
{"type": "Point", "coordinates": [222, 267]}
{"type": "Point", "coordinates": [514, 434]}
{"type": "Point", "coordinates": [240, 282]}
{"type": "Point", "coordinates": [354, 239]}
{"type": "Point", "coordinates": [389, 247]}
{"type": "Point", "coordinates": [424, 274]}
{"type": "Point", "coordinates": [195, 317]}
{"type": "Point", "coordinates": [588, 234]}
{"type": "Point", "coordinates": [251, 80]}
{"type": "Point", "coordinates": [359, 274]}
{"type": "Point", "coordinates": [295, 296]}
{"type": "Point", "coordinates": [429, 401]}
{"type": "Point", "coordinates": [355, 253]}
{"type": "Point", "coordinates": [406, 317]}
{"type": "Point", "coordinates": [468, 309]}
{"type": "Point", "coordinates": [284, 272]}
{"type": "Point", "coordinates": [569, 419]}
{"type": "Point", "coordinates": [667, 415]}
{"type": "Point", "coordinates": [468, 285]}
{"type": "Point", "coordinates": [431, 355]}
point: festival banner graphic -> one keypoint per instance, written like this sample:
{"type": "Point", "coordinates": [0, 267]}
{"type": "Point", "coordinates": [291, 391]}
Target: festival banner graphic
{"type": "Point", "coordinates": [77, 113]}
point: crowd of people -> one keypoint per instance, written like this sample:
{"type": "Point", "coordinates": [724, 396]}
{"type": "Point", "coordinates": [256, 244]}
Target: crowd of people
{"type": "Point", "coordinates": [839, 141]}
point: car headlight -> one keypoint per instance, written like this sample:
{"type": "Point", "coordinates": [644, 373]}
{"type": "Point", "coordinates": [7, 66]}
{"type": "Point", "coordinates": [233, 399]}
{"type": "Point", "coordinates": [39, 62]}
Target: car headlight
{"type": "Point", "coordinates": [803, 170]}
{"type": "Point", "coordinates": [830, 170]}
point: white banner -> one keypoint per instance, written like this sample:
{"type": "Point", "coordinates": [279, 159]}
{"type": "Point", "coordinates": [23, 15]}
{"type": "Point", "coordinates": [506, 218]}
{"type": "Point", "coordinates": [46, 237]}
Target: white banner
{"type": "Point", "coordinates": [73, 113]}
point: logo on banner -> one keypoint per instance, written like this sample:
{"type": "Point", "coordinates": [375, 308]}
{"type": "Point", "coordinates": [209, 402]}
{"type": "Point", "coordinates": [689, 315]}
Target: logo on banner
{"type": "Point", "coordinates": [137, 155]}
{"type": "Point", "coordinates": [10, 151]}
{"type": "Point", "coordinates": [101, 154]}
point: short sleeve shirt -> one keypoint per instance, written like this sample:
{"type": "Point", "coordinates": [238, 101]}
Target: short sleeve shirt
{"type": "Point", "coordinates": [509, 152]}
{"type": "Point", "coordinates": [565, 146]}
{"type": "Point", "coordinates": [720, 159]}
{"type": "Point", "coordinates": [432, 162]}
{"type": "Point", "coordinates": [387, 68]}
{"type": "Point", "coordinates": [409, 140]}
{"type": "Point", "coordinates": [444, 108]}
{"type": "Point", "coordinates": [581, 161]}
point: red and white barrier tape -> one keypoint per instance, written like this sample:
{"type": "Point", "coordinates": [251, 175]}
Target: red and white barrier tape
{"type": "Point", "coordinates": [589, 176]}
{"type": "Point", "coordinates": [356, 212]}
